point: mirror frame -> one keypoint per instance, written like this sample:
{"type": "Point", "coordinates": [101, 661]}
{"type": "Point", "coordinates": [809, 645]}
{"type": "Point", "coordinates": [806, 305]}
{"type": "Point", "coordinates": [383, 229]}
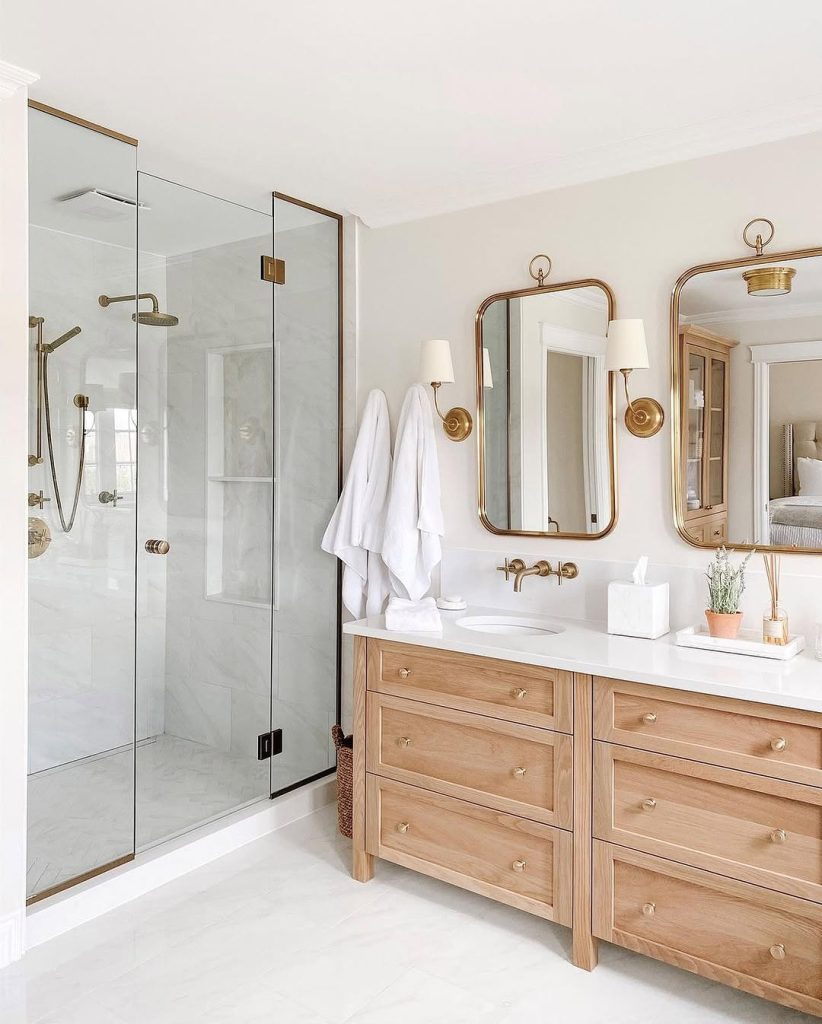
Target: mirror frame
{"type": "Point", "coordinates": [563, 286]}
{"type": "Point", "coordinates": [676, 396]}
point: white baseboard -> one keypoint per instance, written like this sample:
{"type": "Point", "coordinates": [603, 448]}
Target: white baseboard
{"type": "Point", "coordinates": [11, 937]}
{"type": "Point", "coordinates": [171, 860]}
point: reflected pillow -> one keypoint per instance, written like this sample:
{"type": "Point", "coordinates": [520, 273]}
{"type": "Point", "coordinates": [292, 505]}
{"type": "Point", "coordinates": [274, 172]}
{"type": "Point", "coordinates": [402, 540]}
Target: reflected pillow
{"type": "Point", "coordinates": [810, 476]}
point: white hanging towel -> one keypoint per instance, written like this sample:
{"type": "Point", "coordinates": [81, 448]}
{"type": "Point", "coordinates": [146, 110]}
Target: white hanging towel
{"type": "Point", "coordinates": [413, 523]}
{"type": "Point", "coordinates": [355, 532]}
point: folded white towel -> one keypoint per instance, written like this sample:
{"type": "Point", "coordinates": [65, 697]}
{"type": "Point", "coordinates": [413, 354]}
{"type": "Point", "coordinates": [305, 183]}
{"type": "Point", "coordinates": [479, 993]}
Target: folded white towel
{"type": "Point", "coordinates": [355, 532]}
{"type": "Point", "coordinates": [413, 523]}
{"type": "Point", "coordinates": [412, 616]}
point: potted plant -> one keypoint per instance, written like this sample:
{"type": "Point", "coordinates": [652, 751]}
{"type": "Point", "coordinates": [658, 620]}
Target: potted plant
{"type": "Point", "coordinates": [726, 584]}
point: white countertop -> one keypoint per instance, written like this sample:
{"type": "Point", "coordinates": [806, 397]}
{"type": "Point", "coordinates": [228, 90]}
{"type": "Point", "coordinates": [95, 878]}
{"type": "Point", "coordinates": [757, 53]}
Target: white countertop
{"type": "Point", "coordinates": [587, 647]}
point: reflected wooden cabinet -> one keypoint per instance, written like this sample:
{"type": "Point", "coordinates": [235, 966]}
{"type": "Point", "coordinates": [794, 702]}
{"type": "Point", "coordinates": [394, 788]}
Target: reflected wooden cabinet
{"type": "Point", "coordinates": [705, 359]}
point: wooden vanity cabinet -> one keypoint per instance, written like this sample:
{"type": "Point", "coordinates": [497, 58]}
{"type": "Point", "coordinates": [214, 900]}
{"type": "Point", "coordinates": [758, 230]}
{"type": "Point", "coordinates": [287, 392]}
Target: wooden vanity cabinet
{"type": "Point", "coordinates": [683, 826]}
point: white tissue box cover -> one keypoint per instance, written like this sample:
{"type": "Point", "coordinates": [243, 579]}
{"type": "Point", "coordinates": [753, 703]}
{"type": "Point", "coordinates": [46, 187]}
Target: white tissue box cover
{"type": "Point", "coordinates": [638, 609]}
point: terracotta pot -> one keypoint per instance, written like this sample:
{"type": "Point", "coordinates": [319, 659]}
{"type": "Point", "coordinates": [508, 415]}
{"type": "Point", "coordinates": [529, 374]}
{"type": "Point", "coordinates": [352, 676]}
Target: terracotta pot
{"type": "Point", "coordinates": [723, 625]}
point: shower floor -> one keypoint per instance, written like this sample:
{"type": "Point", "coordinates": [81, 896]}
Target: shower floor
{"type": "Point", "coordinates": [81, 815]}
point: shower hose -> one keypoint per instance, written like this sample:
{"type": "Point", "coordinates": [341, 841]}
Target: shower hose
{"type": "Point", "coordinates": [81, 401]}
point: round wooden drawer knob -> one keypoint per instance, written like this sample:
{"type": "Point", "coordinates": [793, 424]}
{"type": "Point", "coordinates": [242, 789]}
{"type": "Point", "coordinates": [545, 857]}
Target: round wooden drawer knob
{"type": "Point", "coordinates": [648, 718]}
{"type": "Point", "coordinates": [519, 772]}
{"type": "Point", "coordinates": [779, 835]}
{"type": "Point", "coordinates": [404, 741]}
{"type": "Point", "coordinates": [778, 951]}
{"type": "Point", "coordinates": [405, 673]}
{"type": "Point", "coordinates": [403, 827]}
{"type": "Point", "coordinates": [649, 804]}
{"type": "Point", "coordinates": [649, 909]}
{"type": "Point", "coordinates": [779, 744]}
{"type": "Point", "coordinates": [518, 693]}
{"type": "Point", "coordinates": [519, 865]}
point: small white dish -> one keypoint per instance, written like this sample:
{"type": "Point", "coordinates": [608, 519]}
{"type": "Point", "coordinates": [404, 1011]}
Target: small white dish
{"type": "Point", "coordinates": [452, 603]}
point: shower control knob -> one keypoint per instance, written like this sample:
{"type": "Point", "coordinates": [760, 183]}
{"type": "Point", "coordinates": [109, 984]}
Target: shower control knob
{"type": "Point", "coordinates": [37, 499]}
{"type": "Point", "coordinates": [157, 547]}
{"type": "Point", "coordinates": [108, 498]}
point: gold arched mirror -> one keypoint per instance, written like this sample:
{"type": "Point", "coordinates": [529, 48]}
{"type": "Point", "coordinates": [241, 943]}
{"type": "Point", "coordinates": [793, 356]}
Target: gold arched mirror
{"type": "Point", "coordinates": [545, 423]}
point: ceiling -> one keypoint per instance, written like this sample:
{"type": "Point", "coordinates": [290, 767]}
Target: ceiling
{"type": "Point", "coordinates": [394, 111]}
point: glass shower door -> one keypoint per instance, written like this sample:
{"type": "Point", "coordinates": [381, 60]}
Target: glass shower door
{"type": "Point", "coordinates": [206, 496]}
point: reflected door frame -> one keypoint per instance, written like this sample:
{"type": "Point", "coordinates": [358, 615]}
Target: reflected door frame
{"type": "Point", "coordinates": [762, 356]}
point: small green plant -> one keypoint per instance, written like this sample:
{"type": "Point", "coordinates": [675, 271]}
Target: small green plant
{"type": "Point", "coordinates": [726, 583]}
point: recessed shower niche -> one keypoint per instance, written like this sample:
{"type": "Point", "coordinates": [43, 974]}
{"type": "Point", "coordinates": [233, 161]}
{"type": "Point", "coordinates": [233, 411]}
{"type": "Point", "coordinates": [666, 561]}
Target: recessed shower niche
{"type": "Point", "coordinates": [186, 609]}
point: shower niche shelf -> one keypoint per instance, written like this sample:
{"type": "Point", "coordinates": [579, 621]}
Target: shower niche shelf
{"type": "Point", "coordinates": [240, 484]}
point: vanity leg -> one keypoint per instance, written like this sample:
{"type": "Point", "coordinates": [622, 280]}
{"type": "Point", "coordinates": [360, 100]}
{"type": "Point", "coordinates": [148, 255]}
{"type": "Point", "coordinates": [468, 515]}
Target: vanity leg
{"type": "Point", "coordinates": [362, 867]}
{"type": "Point", "coordinates": [584, 943]}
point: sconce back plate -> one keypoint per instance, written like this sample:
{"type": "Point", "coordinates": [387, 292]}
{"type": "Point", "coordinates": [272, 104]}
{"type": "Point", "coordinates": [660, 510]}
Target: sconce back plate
{"type": "Point", "coordinates": [645, 418]}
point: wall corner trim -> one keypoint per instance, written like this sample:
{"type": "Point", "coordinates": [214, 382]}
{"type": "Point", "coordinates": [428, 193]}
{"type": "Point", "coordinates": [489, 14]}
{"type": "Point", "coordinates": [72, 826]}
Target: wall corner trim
{"type": "Point", "coordinates": [11, 937]}
{"type": "Point", "coordinates": [13, 78]}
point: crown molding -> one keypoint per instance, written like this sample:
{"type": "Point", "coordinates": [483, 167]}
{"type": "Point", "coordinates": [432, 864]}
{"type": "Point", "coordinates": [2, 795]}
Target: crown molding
{"type": "Point", "coordinates": [626, 156]}
{"type": "Point", "coordinates": [788, 311]}
{"type": "Point", "coordinates": [13, 78]}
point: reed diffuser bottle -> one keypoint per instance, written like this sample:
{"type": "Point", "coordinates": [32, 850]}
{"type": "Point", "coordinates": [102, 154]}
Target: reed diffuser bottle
{"type": "Point", "coordinates": [775, 620]}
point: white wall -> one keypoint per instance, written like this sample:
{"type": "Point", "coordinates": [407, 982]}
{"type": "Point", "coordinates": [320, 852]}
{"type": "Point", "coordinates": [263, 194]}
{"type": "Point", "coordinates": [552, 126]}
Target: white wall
{"type": "Point", "coordinates": [638, 233]}
{"type": "Point", "coordinates": [13, 486]}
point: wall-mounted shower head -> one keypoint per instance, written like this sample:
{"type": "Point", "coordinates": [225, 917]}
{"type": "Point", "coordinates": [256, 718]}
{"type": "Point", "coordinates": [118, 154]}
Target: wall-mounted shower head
{"type": "Point", "coordinates": [152, 318]}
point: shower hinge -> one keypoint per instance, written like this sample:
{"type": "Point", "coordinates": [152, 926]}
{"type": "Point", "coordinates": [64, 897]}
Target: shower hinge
{"type": "Point", "coordinates": [269, 744]}
{"type": "Point", "coordinates": [272, 269]}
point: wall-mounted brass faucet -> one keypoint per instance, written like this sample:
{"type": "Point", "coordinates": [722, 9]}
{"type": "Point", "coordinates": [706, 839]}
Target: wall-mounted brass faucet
{"type": "Point", "coordinates": [517, 568]}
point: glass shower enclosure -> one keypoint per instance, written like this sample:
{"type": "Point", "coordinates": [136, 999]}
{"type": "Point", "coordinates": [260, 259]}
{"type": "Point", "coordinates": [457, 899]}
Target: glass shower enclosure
{"type": "Point", "coordinates": [184, 624]}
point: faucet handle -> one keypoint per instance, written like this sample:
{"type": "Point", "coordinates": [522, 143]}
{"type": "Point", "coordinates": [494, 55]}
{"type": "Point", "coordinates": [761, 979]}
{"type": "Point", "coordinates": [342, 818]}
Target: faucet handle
{"type": "Point", "coordinates": [567, 571]}
{"type": "Point", "coordinates": [513, 567]}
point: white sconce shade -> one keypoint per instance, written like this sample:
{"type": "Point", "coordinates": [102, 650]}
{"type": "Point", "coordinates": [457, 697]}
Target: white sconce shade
{"type": "Point", "coordinates": [626, 348]}
{"type": "Point", "coordinates": [435, 362]}
{"type": "Point", "coordinates": [487, 379]}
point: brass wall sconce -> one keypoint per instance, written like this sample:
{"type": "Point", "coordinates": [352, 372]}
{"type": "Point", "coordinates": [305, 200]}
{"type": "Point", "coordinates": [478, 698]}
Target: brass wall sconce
{"type": "Point", "coordinates": [436, 369]}
{"type": "Point", "coordinates": [627, 351]}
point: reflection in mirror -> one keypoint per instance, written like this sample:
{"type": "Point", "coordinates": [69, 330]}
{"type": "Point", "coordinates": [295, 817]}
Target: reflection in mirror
{"type": "Point", "coordinates": [546, 411]}
{"type": "Point", "coordinates": [750, 405]}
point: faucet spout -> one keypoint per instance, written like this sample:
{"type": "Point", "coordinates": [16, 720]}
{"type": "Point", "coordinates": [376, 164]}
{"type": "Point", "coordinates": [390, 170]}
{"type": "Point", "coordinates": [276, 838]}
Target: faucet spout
{"type": "Point", "coordinates": [539, 569]}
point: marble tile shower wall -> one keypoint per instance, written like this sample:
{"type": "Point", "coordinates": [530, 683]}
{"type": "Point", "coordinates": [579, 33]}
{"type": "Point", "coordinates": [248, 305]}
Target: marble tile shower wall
{"type": "Point", "coordinates": [81, 591]}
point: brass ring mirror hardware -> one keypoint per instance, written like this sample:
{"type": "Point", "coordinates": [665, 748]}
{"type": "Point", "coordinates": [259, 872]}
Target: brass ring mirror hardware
{"type": "Point", "coordinates": [520, 865]}
{"type": "Point", "coordinates": [158, 547]}
{"type": "Point", "coordinates": [760, 242]}
{"type": "Point", "coordinates": [540, 274]}
{"type": "Point", "coordinates": [648, 718]}
{"type": "Point", "coordinates": [518, 693]}
{"type": "Point", "coordinates": [779, 744]}
{"type": "Point", "coordinates": [519, 772]}
{"type": "Point", "coordinates": [404, 741]}
{"type": "Point", "coordinates": [39, 536]}
{"type": "Point", "coordinates": [649, 804]}
{"type": "Point", "coordinates": [649, 909]}
{"type": "Point", "coordinates": [779, 835]}
{"type": "Point", "coordinates": [403, 827]}
{"type": "Point", "coordinates": [404, 673]}
{"type": "Point", "coordinates": [777, 951]}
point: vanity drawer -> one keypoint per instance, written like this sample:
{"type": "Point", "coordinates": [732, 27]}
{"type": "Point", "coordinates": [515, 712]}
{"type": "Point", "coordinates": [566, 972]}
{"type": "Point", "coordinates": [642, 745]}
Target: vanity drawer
{"type": "Point", "coordinates": [754, 939]}
{"type": "Point", "coordinates": [752, 827]}
{"type": "Point", "coordinates": [503, 689]}
{"type": "Point", "coordinates": [514, 768]}
{"type": "Point", "coordinates": [780, 742]}
{"type": "Point", "coordinates": [508, 858]}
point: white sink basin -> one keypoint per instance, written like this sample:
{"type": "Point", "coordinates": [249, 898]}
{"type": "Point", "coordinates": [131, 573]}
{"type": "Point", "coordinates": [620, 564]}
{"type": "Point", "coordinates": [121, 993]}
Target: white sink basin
{"type": "Point", "coordinates": [510, 625]}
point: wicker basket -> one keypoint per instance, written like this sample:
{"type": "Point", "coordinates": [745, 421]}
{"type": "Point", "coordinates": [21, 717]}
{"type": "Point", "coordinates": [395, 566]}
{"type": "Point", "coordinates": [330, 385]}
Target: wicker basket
{"type": "Point", "coordinates": [345, 775]}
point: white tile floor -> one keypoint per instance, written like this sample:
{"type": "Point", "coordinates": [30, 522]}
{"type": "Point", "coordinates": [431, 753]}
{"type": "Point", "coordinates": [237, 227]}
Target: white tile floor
{"type": "Point", "coordinates": [279, 932]}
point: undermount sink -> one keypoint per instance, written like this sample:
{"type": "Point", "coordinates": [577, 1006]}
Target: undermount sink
{"type": "Point", "coordinates": [510, 625]}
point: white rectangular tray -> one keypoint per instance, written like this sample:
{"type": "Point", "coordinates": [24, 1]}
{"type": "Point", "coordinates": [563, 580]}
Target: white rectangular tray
{"type": "Point", "coordinates": [748, 642]}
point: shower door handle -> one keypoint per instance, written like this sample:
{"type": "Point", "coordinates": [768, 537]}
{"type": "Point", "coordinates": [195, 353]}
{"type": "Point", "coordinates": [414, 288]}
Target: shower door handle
{"type": "Point", "coordinates": [157, 547]}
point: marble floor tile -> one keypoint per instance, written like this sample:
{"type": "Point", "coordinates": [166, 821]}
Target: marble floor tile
{"type": "Point", "coordinates": [278, 931]}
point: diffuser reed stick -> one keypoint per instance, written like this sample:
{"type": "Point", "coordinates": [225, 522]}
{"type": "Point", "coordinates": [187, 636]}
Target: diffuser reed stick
{"type": "Point", "coordinates": [775, 621]}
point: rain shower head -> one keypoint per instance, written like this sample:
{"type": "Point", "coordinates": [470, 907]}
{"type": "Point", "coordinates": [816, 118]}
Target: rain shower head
{"type": "Point", "coordinates": [152, 318]}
